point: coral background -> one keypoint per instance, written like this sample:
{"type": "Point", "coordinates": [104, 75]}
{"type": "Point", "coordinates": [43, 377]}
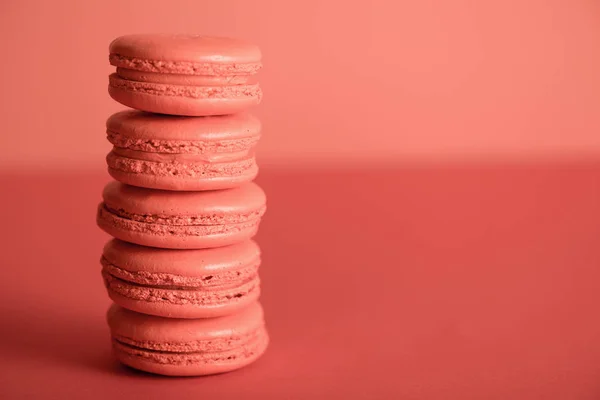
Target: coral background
{"type": "Point", "coordinates": [432, 169]}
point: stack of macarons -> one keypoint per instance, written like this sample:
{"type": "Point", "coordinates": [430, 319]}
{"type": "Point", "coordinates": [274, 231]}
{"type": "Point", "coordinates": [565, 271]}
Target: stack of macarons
{"type": "Point", "coordinates": [182, 269]}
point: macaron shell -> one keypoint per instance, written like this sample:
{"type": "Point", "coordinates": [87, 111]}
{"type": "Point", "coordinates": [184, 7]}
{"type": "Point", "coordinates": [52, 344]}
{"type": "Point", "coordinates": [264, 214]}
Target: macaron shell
{"type": "Point", "coordinates": [245, 199]}
{"type": "Point", "coordinates": [192, 263]}
{"type": "Point", "coordinates": [183, 310]}
{"type": "Point", "coordinates": [144, 126]}
{"type": "Point", "coordinates": [192, 365]}
{"type": "Point", "coordinates": [185, 47]}
{"type": "Point", "coordinates": [142, 328]}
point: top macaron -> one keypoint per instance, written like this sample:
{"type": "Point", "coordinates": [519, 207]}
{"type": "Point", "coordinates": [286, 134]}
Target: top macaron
{"type": "Point", "coordinates": [188, 75]}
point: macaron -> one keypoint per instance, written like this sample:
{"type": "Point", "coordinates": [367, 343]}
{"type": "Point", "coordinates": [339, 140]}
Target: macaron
{"type": "Point", "coordinates": [181, 220]}
{"type": "Point", "coordinates": [182, 283]}
{"type": "Point", "coordinates": [187, 347]}
{"type": "Point", "coordinates": [181, 153]}
{"type": "Point", "coordinates": [184, 74]}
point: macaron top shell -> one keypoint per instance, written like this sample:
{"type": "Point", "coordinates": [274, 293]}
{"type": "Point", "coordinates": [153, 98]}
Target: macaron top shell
{"type": "Point", "coordinates": [172, 331]}
{"type": "Point", "coordinates": [146, 126]}
{"type": "Point", "coordinates": [245, 199]}
{"type": "Point", "coordinates": [182, 47]}
{"type": "Point", "coordinates": [190, 263]}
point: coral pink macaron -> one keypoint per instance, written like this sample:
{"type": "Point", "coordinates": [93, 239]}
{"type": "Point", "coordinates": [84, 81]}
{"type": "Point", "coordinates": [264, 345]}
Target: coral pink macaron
{"type": "Point", "coordinates": [181, 220]}
{"type": "Point", "coordinates": [181, 153]}
{"type": "Point", "coordinates": [184, 74]}
{"type": "Point", "coordinates": [182, 283]}
{"type": "Point", "coordinates": [187, 347]}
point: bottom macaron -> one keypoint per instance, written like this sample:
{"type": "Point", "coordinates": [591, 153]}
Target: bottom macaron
{"type": "Point", "coordinates": [187, 347]}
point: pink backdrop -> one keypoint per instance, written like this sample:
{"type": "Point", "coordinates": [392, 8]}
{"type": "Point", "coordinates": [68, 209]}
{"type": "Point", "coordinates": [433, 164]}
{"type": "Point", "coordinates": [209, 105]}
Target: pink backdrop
{"type": "Point", "coordinates": [464, 281]}
{"type": "Point", "coordinates": [344, 81]}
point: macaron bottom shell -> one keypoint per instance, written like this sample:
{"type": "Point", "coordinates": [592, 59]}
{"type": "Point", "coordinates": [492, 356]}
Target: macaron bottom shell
{"type": "Point", "coordinates": [174, 236]}
{"type": "Point", "coordinates": [189, 310]}
{"type": "Point", "coordinates": [175, 99]}
{"type": "Point", "coordinates": [179, 183]}
{"type": "Point", "coordinates": [174, 363]}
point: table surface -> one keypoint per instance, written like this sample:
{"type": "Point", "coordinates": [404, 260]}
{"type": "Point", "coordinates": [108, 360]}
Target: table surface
{"type": "Point", "coordinates": [418, 282]}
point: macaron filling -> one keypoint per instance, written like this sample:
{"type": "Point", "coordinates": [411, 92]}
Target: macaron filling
{"type": "Point", "coordinates": [189, 220]}
{"type": "Point", "coordinates": [188, 91]}
{"type": "Point", "coordinates": [179, 79]}
{"type": "Point", "coordinates": [217, 279]}
{"type": "Point", "coordinates": [196, 346]}
{"type": "Point", "coordinates": [184, 67]}
{"type": "Point", "coordinates": [145, 163]}
{"type": "Point", "coordinates": [180, 295]}
{"type": "Point", "coordinates": [181, 146]}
